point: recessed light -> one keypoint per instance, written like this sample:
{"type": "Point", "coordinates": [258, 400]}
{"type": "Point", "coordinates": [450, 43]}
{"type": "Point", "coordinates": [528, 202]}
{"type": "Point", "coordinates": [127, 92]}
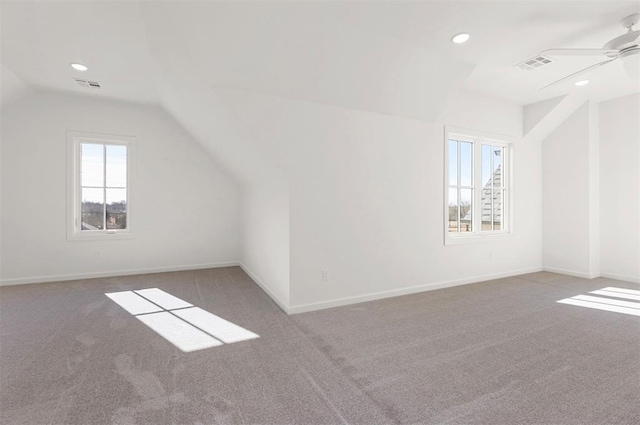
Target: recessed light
{"type": "Point", "coordinates": [460, 38]}
{"type": "Point", "coordinates": [582, 83]}
{"type": "Point", "coordinates": [79, 67]}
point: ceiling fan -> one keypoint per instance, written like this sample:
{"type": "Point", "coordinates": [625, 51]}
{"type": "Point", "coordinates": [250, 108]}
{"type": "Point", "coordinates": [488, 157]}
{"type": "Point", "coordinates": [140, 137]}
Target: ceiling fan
{"type": "Point", "coordinates": [625, 47]}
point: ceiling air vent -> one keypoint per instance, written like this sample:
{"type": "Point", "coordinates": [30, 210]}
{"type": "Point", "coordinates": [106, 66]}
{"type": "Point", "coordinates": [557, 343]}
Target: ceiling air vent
{"type": "Point", "coordinates": [534, 62]}
{"type": "Point", "coordinates": [88, 84]}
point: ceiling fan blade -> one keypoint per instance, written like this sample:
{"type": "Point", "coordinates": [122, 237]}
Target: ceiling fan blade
{"type": "Point", "coordinates": [580, 52]}
{"type": "Point", "coordinates": [624, 41]}
{"type": "Point", "coordinates": [582, 71]}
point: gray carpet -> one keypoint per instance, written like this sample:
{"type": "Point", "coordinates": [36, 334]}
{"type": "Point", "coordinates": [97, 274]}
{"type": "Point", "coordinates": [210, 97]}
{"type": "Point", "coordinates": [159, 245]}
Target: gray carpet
{"type": "Point", "coordinates": [498, 352]}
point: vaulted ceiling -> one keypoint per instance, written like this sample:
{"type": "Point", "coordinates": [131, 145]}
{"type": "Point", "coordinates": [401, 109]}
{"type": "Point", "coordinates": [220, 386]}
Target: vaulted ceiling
{"type": "Point", "coordinates": [390, 57]}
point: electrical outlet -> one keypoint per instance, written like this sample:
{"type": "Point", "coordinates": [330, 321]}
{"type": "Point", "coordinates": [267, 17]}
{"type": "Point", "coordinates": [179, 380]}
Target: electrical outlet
{"type": "Point", "coordinates": [325, 274]}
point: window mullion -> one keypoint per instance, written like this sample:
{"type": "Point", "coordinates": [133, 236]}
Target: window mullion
{"type": "Point", "coordinates": [458, 191]}
{"type": "Point", "coordinates": [78, 188]}
{"type": "Point", "coordinates": [104, 189]}
{"type": "Point", "coordinates": [503, 186]}
{"type": "Point", "coordinates": [477, 177]}
{"type": "Point", "coordinates": [493, 184]}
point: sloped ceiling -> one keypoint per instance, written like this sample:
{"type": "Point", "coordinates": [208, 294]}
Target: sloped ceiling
{"type": "Point", "coordinates": [41, 39]}
{"type": "Point", "coordinates": [309, 52]}
{"type": "Point", "coordinates": [13, 88]}
{"type": "Point", "coordinates": [387, 57]}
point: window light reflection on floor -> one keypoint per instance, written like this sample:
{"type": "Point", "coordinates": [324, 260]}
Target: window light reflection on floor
{"type": "Point", "coordinates": [187, 327]}
{"type": "Point", "coordinates": [610, 299]}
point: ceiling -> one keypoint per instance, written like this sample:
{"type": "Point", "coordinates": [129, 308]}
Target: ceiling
{"type": "Point", "coordinates": [41, 39]}
{"type": "Point", "coordinates": [385, 57]}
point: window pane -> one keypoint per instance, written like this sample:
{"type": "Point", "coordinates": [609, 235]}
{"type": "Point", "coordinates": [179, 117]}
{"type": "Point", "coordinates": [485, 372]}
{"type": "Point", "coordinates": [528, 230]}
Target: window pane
{"type": "Point", "coordinates": [92, 209]}
{"type": "Point", "coordinates": [453, 210]}
{"type": "Point", "coordinates": [92, 164]}
{"type": "Point", "coordinates": [486, 165]}
{"type": "Point", "coordinates": [497, 166]}
{"type": "Point", "coordinates": [498, 198]}
{"type": "Point", "coordinates": [466, 212]}
{"type": "Point", "coordinates": [486, 208]}
{"type": "Point", "coordinates": [453, 162]}
{"type": "Point", "coordinates": [116, 208]}
{"type": "Point", "coordinates": [116, 166]}
{"type": "Point", "coordinates": [466, 163]}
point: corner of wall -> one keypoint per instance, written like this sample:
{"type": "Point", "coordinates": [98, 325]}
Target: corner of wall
{"type": "Point", "coordinates": [594, 189]}
{"type": "Point", "coordinates": [534, 113]}
{"type": "Point", "coordinates": [542, 121]}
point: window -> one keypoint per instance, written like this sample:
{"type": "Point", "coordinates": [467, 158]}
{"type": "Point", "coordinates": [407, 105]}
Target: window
{"type": "Point", "coordinates": [100, 178]}
{"type": "Point", "coordinates": [477, 196]}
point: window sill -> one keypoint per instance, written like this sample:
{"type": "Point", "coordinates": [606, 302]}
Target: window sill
{"type": "Point", "coordinates": [476, 238]}
{"type": "Point", "coordinates": [78, 237]}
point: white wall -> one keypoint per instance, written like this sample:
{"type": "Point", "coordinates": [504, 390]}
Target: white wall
{"type": "Point", "coordinates": [264, 228]}
{"type": "Point", "coordinates": [12, 88]}
{"type": "Point", "coordinates": [565, 187]}
{"type": "Point", "coordinates": [534, 113]}
{"type": "Point", "coordinates": [186, 211]}
{"type": "Point", "coordinates": [265, 238]}
{"type": "Point", "coordinates": [620, 188]}
{"type": "Point", "coordinates": [591, 192]}
{"type": "Point", "coordinates": [199, 108]}
{"type": "Point", "coordinates": [366, 196]}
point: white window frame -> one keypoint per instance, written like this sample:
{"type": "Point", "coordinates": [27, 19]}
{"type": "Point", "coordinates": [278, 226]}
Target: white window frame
{"type": "Point", "coordinates": [478, 138]}
{"type": "Point", "coordinates": [74, 193]}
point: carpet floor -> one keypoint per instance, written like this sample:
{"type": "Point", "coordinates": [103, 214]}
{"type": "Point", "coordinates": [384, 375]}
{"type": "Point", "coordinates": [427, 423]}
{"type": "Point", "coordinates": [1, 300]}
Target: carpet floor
{"type": "Point", "coordinates": [497, 352]}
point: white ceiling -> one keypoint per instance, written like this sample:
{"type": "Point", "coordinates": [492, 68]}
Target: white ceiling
{"type": "Point", "coordinates": [303, 51]}
{"type": "Point", "coordinates": [385, 57]}
{"type": "Point", "coordinates": [41, 39]}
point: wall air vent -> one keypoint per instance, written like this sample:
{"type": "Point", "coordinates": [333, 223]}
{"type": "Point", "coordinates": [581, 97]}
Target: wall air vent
{"type": "Point", "coordinates": [534, 62]}
{"type": "Point", "coordinates": [88, 84]}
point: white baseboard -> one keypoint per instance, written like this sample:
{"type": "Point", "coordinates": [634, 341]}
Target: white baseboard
{"type": "Point", "coordinates": [113, 273]}
{"type": "Point", "coordinates": [620, 277]}
{"type": "Point", "coordinates": [311, 306]}
{"type": "Point", "coordinates": [404, 291]}
{"type": "Point", "coordinates": [283, 306]}
{"type": "Point", "coordinates": [573, 273]}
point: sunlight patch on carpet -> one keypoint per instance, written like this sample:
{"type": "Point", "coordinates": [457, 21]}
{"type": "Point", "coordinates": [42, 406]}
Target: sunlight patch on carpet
{"type": "Point", "coordinates": [611, 299]}
{"type": "Point", "coordinates": [187, 327]}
